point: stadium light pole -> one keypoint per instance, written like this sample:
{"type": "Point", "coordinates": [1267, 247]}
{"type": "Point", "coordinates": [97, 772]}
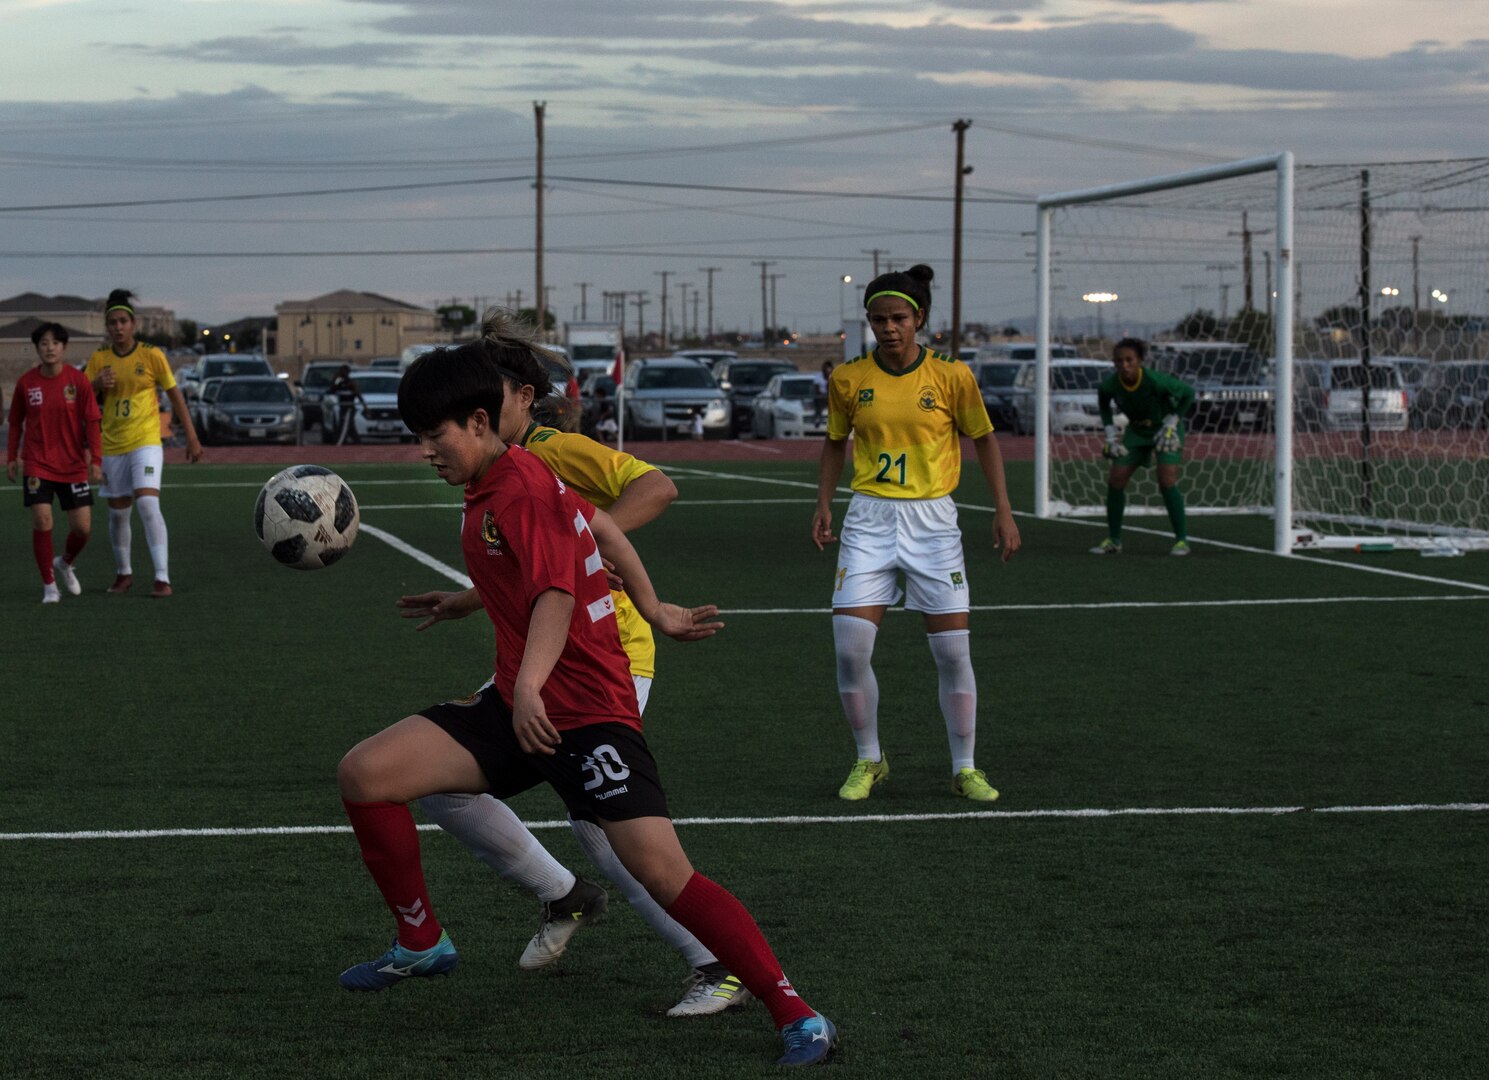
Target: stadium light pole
{"type": "Point", "coordinates": [1099, 299]}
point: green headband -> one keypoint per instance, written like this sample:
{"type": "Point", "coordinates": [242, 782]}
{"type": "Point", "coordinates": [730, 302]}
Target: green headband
{"type": "Point", "coordinates": [119, 307]}
{"type": "Point", "coordinates": [890, 292]}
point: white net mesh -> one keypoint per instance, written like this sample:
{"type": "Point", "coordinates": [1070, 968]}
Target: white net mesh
{"type": "Point", "coordinates": [1391, 266]}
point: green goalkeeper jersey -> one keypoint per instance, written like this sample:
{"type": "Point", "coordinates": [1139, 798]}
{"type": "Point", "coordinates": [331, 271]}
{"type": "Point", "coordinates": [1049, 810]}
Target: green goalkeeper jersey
{"type": "Point", "coordinates": [1155, 396]}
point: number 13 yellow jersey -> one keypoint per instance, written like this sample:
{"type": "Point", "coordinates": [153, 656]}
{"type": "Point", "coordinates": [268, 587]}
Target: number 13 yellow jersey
{"type": "Point", "coordinates": [906, 425]}
{"type": "Point", "coordinates": [131, 414]}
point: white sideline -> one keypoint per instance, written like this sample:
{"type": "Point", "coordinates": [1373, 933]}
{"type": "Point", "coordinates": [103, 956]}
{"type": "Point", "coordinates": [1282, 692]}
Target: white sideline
{"type": "Point", "coordinates": [419, 556]}
{"type": "Point", "coordinates": [807, 819]}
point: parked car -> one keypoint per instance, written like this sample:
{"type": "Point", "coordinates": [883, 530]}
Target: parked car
{"type": "Point", "coordinates": [376, 416]}
{"type": "Point", "coordinates": [413, 352]}
{"type": "Point", "coordinates": [1454, 394]}
{"type": "Point", "coordinates": [662, 395]}
{"type": "Point", "coordinates": [596, 395]}
{"type": "Point", "coordinates": [225, 365]}
{"type": "Point", "coordinates": [708, 357]}
{"type": "Point", "coordinates": [1343, 392]}
{"type": "Point", "coordinates": [743, 379]}
{"type": "Point", "coordinates": [312, 385]}
{"type": "Point", "coordinates": [1023, 350]}
{"type": "Point", "coordinates": [996, 378]}
{"type": "Point", "coordinates": [386, 363]}
{"type": "Point", "coordinates": [1232, 386]}
{"type": "Point", "coordinates": [1073, 405]}
{"type": "Point", "coordinates": [198, 403]}
{"type": "Point", "coordinates": [789, 407]}
{"type": "Point", "coordinates": [248, 408]}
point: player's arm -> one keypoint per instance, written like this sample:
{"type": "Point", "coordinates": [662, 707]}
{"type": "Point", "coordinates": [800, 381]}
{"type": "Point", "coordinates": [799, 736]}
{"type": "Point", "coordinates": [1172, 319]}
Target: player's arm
{"type": "Point", "coordinates": [1182, 397]}
{"type": "Point", "coordinates": [1005, 530]}
{"type": "Point", "coordinates": [643, 500]}
{"type": "Point", "coordinates": [13, 439]}
{"type": "Point", "coordinates": [178, 406]}
{"type": "Point", "coordinates": [829, 473]}
{"type": "Point", "coordinates": [1104, 405]}
{"type": "Point", "coordinates": [684, 624]}
{"type": "Point", "coordinates": [93, 438]}
{"type": "Point", "coordinates": [547, 633]}
{"type": "Point", "coordinates": [435, 607]}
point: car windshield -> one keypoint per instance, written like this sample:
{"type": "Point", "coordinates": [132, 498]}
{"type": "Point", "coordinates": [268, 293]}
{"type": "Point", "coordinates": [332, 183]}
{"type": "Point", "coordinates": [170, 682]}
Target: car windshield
{"type": "Point", "coordinates": [213, 368]}
{"type": "Point", "coordinates": [803, 388]}
{"type": "Point", "coordinates": [1077, 377]}
{"type": "Point", "coordinates": [318, 377]}
{"type": "Point", "coordinates": [255, 390]}
{"type": "Point", "coordinates": [592, 352]}
{"type": "Point", "coordinates": [756, 374]}
{"type": "Point", "coordinates": [675, 378]}
{"type": "Point", "coordinates": [1230, 364]}
{"type": "Point", "coordinates": [1412, 374]}
{"type": "Point", "coordinates": [1352, 377]}
{"type": "Point", "coordinates": [378, 384]}
{"type": "Point", "coordinates": [997, 375]}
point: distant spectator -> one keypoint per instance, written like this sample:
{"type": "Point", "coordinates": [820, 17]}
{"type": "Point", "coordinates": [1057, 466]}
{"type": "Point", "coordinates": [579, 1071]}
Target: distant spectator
{"type": "Point", "coordinates": [344, 389]}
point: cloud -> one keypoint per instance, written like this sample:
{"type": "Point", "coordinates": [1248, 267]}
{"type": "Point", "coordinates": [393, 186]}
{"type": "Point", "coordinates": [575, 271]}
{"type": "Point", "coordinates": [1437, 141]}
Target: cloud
{"type": "Point", "coordinates": [285, 50]}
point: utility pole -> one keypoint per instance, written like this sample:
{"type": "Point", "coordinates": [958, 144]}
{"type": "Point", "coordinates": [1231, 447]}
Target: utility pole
{"type": "Point", "coordinates": [539, 294]}
{"type": "Point", "coordinates": [682, 289]}
{"type": "Point", "coordinates": [664, 275]}
{"type": "Point", "coordinates": [960, 127]}
{"type": "Point", "coordinates": [710, 271]}
{"type": "Point", "coordinates": [695, 313]}
{"type": "Point", "coordinates": [1267, 255]}
{"type": "Point", "coordinates": [764, 310]}
{"type": "Point", "coordinates": [774, 316]}
{"type": "Point", "coordinates": [640, 301]}
{"type": "Point", "coordinates": [1220, 269]}
{"type": "Point", "coordinates": [1416, 276]}
{"type": "Point", "coordinates": [1246, 234]}
{"type": "Point", "coordinates": [583, 287]}
{"type": "Point", "coordinates": [875, 252]}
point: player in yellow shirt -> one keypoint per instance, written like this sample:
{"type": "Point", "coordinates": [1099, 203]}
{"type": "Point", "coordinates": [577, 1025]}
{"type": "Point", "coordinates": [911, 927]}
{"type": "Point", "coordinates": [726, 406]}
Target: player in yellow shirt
{"type": "Point", "coordinates": [907, 409]}
{"type": "Point", "coordinates": [632, 493]}
{"type": "Point", "coordinates": [126, 376]}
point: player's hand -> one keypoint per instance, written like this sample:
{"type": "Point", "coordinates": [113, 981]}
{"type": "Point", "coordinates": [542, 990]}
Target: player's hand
{"type": "Point", "coordinates": [530, 724]}
{"type": "Point", "coordinates": [106, 378]}
{"type": "Point", "coordinates": [432, 607]}
{"type": "Point", "coordinates": [12, 470]}
{"type": "Point", "coordinates": [1113, 447]}
{"type": "Point", "coordinates": [193, 450]}
{"type": "Point", "coordinates": [686, 624]}
{"type": "Point", "coordinates": [1167, 440]}
{"type": "Point", "coordinates": [615, 582]}
{"type": "Point", "coordinates": [1006, 533]}
{"type": "Point", "coordinates": [822, 528]}
{"type": "Point", "coordinates": [95, 472]}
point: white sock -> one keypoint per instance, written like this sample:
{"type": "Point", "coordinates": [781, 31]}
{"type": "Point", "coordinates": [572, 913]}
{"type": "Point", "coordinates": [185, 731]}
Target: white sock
{"type": "Point", "coordinates": [120, 535]}
{"type": "Point", "coordinates": [953, 652]}
{"type": "Point", "coordinates": [155, 535]}
{"type": "Point", "coordinates": [597, 846]}
{"type": "Point", "coordinates": [498, 838]}
{"type": "Point", "coordinates": [853, 639]}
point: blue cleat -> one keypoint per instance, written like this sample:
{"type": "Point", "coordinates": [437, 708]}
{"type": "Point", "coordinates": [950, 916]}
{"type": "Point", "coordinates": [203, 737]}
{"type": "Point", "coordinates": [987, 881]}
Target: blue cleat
{"type": "Point", "coordinates": [808, 1041]}
{"type": "Point", "coordinates": [399, 963]}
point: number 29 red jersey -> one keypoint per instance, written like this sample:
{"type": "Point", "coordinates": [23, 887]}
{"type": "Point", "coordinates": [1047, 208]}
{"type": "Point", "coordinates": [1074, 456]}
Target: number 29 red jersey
{"type": "Point", "coordinates": [523, 533]}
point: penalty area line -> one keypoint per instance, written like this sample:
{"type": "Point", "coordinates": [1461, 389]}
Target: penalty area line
{"type": "Point", "coordinates": [808, 819]}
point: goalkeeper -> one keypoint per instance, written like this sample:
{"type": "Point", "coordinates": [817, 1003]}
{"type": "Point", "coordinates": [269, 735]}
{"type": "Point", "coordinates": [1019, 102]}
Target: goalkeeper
{"type": "Point", "coordinates": [1155, 404]}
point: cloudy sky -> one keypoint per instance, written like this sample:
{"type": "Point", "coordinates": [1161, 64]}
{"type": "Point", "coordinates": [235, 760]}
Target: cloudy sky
{"type": "Point", "coordinates": [680, 134]}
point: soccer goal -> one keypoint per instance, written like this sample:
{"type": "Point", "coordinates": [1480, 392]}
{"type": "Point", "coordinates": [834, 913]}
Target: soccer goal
{"type": "Point", "coordinates": [1330, 320]}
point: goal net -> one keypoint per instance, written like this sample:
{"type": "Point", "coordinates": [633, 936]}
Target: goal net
{"type": "Point", "coordinates": [1331, 320]}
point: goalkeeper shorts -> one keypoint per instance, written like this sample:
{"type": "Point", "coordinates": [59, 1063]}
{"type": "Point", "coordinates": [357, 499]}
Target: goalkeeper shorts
{"type": "Point", "coordinates": [1141, 451]}
{"type": "Point", "coordinates": [883, 539]}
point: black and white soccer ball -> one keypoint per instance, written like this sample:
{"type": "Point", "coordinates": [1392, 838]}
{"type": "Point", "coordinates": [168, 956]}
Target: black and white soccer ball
{"type": "Point", "coordinates": [306, 516]}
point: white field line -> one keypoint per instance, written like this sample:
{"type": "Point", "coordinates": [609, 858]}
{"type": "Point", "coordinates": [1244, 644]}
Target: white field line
{"type": "Point", "coordinates": [419, 556]}
{"type": "Point", "coordinates": [422, 482]}
{"type": "Point", "coordinates": [1117, 605]}
{"type": "Point", "coordinates": [1451, 582]}
{"type": "Point", "coordinates": [808, 819]}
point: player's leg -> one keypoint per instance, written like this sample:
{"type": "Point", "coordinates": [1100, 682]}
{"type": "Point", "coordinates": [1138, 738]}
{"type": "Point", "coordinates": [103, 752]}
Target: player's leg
{"type": "Point", "coordinates": [34, 490]}
{"type": "Point", "coordinates": [1117, 480]}
{"type": "Point", "coordinates": [145, 475]}
{"type": "Point", "coordinates": [865, 585]}
{"type": "Point", "coordinates": [1173, 501]}
{"type": "Point", "coordinates": [77, 500]}
{"type": "Point", "coordinates": [118, 491]}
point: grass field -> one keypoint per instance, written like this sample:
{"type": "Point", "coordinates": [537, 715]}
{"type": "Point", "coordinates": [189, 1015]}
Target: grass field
{"type": "Point", "coordinates": [1242, 830]}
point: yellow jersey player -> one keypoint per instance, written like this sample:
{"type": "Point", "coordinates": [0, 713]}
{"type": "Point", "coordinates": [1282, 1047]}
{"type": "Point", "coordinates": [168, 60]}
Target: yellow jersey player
{"type": "Point", "coordinates": [632, 493]}
{"type": "Point", "coordinates": [907, 409]}
{"type": "Point", "coordinates": [126, 376]}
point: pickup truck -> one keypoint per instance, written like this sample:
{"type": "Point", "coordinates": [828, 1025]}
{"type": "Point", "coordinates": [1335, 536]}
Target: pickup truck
{"type": "Point", "coordinates": [1232, 387]}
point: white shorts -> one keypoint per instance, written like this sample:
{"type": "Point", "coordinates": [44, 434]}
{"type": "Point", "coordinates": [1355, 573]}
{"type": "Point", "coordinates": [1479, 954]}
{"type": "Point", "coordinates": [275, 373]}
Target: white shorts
{"type": "Point", "coordinates": [124, 474]}
{"type": "Point", "coordinates": [883, 538]}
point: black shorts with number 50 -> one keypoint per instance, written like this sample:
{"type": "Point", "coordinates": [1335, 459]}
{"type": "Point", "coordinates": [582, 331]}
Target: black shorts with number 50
{"type": "Point", "coordinates": [602, 771]}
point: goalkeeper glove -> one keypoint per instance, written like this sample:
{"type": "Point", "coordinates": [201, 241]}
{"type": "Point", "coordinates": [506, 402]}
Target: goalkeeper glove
{"type": "Point", "coordinates": [1167, 441]}
{"type": "Point", "coordinates": [1113, 447]}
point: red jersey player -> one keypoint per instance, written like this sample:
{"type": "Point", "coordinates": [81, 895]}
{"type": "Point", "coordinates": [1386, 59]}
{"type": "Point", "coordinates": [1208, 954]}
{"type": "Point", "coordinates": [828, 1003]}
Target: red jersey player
{"type": "Point", "coordinates": [562, 708]}
{"type": "Point", "coordinates": [55, 408]}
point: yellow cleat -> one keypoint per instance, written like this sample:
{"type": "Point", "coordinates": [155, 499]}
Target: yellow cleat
{"type": "Point", "coordinates": [862, 779]}
{"type": "Point", "coordinates": [972, 784]}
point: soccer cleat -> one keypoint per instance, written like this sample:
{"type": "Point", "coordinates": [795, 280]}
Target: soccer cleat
{"type": "Point", "coordinates": [808, 1041]}
{"type": "Point", "coordinates": [160, 588]}
{"type": "Point", "coordinates": [50, 594]}
{"type": "Point", "coordinates": [560, 920]}
{"type": "Point", "coordinates": [972, 784]}
{"type": "Point", "coordinates": [1107, 547]}
{"type": "Point", "coordinates": [121, 584]}
{"type": "Point", "coordinates": [1181, 547]}
{"type": "Point", "coordinates": [66, 575]}
{"type": "Point", "coordinates": [862, 779]}
{"type": "Point", "coordinates": [710, 989]}
{"type": "Point", "coordinates": [399, 963]}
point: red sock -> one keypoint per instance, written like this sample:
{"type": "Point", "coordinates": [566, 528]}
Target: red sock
{"type": "Point", "coordinates": [390, 848]}
{"type": "Point", "coordinates": [41, 547]}
{"type": "Point", "coordinates": [713, 915]}
{"type": "Point", "coordinates": [76, 541]}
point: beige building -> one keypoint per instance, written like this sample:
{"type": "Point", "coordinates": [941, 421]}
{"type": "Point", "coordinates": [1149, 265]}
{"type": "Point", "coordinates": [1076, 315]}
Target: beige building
{"type": "Point", "coordinates": [352, 326]}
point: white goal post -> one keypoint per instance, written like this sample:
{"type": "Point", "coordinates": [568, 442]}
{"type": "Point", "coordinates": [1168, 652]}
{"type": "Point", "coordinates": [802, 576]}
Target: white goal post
{"type": "Point", "coordinates": [1280, 164]}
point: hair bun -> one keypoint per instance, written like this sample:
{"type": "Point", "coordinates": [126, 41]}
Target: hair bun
{"type": "Point", "coordinates": [119, 296]}
{"type": "Point", "coordinates": [921, 272]}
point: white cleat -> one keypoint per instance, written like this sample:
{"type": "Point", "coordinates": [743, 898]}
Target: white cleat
{"type": "Point", "coordinates": [710, 990]}
{"type": "Point", "coordinates": [50, 595]}
{"type": "Point", "coordinates": [66, 575]}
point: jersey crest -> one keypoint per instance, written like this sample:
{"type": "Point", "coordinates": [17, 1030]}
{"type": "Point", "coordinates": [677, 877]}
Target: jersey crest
{"type": "Point", "coordinates": [490, 533]}
{"type": "Point", "coordinates": [927, 399]}
{"type": "Point", "coordinates": [866, 397]}
{"type": "Point", "coordinates": [69, 392]}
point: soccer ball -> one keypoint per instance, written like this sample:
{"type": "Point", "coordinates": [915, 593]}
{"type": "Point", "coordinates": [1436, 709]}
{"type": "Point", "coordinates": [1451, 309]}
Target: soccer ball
{"type": "Point", "coordinates": [306, 516]}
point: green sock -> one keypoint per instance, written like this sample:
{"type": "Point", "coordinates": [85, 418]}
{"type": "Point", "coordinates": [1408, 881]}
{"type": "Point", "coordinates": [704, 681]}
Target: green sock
{"type": "Point", "coordinates": [1174, 500]}
{"type": "Point", "coordinates": [1116, 506]}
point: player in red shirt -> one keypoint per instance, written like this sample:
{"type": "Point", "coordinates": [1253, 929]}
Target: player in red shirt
{"type": "Point", "coordinates": [562, 709]}
{"type": "Point", "coordinates": [55, 406]}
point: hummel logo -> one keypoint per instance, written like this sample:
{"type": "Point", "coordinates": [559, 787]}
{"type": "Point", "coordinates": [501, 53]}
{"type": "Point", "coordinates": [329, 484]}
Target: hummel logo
{"type": "Point", "coordinates": [409, 913]}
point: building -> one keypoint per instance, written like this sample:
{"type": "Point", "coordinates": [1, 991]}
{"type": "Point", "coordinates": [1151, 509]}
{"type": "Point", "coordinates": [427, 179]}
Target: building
{"type": "Point", "coordinates": [17, 354]}
{"type": "Point", "coordinates": [352, 326]}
